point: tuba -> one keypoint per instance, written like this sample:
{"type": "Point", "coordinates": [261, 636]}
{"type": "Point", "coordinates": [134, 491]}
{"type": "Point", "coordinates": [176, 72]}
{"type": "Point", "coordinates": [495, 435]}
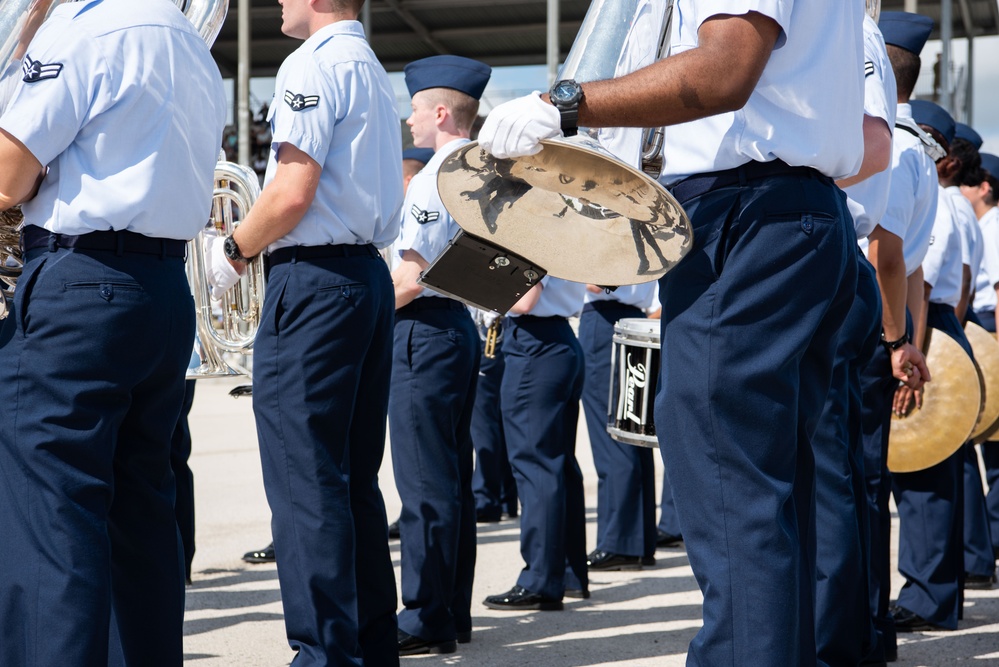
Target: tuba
{"type": "Point", "coordinates": [575, 210]}
{"type": "Point", "coordinates": [236, 190]}
{"type": "Point", "coordinates": [19, 21]}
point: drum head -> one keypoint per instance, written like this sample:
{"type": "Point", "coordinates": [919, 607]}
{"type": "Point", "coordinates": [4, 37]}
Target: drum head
{"type": "Point", "coordinates": [951, 404]}
{"type": "Point", "coordinates": [638, 330]}
{"type": "Point", "coordinates": [572, 209]}
{"type": "Point", "coordinates": [986, 350]}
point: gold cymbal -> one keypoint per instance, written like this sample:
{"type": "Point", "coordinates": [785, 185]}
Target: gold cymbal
{"type": "Point", "coordinates": [986, 350]}
{"type": "Point", "coordinates": [951, 405]}
{"type": "Point", "coordinates": [572, 209]}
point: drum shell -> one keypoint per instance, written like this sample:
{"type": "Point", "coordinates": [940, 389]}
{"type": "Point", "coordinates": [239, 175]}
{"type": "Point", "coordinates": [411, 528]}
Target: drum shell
{"type": "Point", "coordinates": [633, 382]}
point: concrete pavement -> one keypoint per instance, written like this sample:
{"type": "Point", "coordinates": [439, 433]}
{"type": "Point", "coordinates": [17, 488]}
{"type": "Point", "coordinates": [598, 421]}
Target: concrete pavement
{"type": "Point", "coordinates": [633, 619]}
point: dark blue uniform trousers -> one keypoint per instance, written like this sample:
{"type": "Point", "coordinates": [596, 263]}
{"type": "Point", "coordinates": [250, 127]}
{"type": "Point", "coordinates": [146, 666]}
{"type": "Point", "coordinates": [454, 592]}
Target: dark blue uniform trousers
{"type": "Point", "coordinates": [434, 367]}
{"type": "Point", "coordinates": [92, 363]}
{"type": "Point", "coordinates": [844, 629]}
{"type": "Point", "coordinates": [669, 523]}
{"type": "Point", "coordinates": [878, 391]}
{"type": "Point", "coordinates": [180, 454]}
{"type": "Point", "coordinates": [931, 518]}
{"type": "Point", "coordinates": [541, 387]}
{"type": "Point", "coordinates": [322, 365]}
{"type": "Point", "coordinates": [990, 455]}
{"type": "Point", "coordinates": [493, 485]}
{"type": "Point", "coordinates": [626, 483]}
{"type": "Point", "coordinates": [750, 321]}
{"type": "Point", "coordinates": [979, 556]}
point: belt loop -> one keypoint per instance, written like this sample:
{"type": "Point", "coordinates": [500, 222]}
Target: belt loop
{"type": "Point", "coordinates": [53, 241]}
{"type": "Point", "coordinates": [119, 238]}
{"type": "Point", "coordinates": [294, 254]}
{"type": "Point", "coordinates": [163, 248]}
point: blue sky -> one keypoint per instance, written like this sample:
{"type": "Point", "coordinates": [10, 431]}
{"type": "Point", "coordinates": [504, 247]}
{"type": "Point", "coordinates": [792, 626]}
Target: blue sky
{"type": "Point", "coordinates": [509, 82]}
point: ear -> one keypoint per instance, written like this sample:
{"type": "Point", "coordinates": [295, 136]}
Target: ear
{"type": "Point", "coordinates": [441, 114]}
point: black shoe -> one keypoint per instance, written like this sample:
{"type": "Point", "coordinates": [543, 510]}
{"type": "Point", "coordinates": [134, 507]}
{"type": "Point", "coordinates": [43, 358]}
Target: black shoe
{"type": "Point", "coordinates": [979, 581]}
{"type": "Point", "coordinates": [519, 597]}
{"type": "Point", "coordinates": [463, 637]}
{"type": "Point", "coordinates": [664, 539]}
{"type": "Point", "coordinates": [394, 530]}
{"type": "Point", "coordinates": [488, 516]}
{"type": "Point", "coordinates": [413, 645]}
{"type": "Point", "coordinates": [265, 555]}
{"type": "Point", "coordinates": [512, 514]}
{"type": "Point", "coordinates": [608, 562]}
{"type": "Point", "coordinates": [910, 621]}
{"type": "Point", "coordinates": [579, 594]}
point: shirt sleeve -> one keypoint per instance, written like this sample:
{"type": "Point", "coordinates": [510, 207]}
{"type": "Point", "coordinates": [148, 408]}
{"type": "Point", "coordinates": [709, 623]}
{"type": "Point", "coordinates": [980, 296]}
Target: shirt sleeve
{"type": "Point", "coordinates": [305, 112]}
{"type": "Point", "coordinates": [778, 10]}
{"type": "Point", "coordinates": [990, 256]}
{"type": "Point", "coordinates": [902, 196]}
{"type": "Point", "coordinates": [943, 228]}
{"type": "Point", "coordinates": [426, 225]}
{"type": "Point", "coordinates": [64, 81]}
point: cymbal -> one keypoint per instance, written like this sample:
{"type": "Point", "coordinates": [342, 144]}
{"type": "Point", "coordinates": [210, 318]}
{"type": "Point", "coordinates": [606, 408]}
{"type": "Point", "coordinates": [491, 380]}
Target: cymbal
{"type": "Point", "coordinates": [572, 209]}
{"type": "Point", "coordinates": [951, 404]}
{"type": "Point", "coordinates": [986, 349]}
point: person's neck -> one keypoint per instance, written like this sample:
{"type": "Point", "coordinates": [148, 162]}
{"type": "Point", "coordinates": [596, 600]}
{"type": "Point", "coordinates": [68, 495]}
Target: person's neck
{"type": "Point", "coordinates": [321, 20]}
{"type": "Point", "coordinates": [981, 208]}
{"type": "Point", "coordinates": [444, 138]}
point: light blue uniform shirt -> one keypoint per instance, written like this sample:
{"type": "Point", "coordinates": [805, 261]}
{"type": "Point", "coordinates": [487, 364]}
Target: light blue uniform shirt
{"type": "Point", "coordinates": [426, 225]}
{"type": "Point", "coordinates": [942, 266]}
{"type": "Point", "coordinates": [334, 102]}
{"type": "Point", "coordinates": [971, 236]}
{"type": "Point", "coordinates": [559, 298]}
{"type": "Point", "coordinates": [868, 199]}
{"type": "Point", "coordinates": [126, 108]}
{"type": "Point", "coordinates": [807, 108]}
{"type": "Point", "coordinates": [912, 195]}
{"type": "Point", "coordinates": [639, 296]}
{"type": "Point", "coordinates": [988, 274]}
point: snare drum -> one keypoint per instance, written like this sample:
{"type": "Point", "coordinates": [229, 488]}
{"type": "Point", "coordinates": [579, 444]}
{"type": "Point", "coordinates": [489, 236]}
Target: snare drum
{"type": "Point", "coordinates": [634, 377]}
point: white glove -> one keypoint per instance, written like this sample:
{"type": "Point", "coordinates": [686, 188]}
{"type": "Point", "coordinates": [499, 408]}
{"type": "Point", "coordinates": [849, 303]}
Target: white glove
{"type": "Point", "coordinates": [489, 316]}
{"type": "Point", "coordinates": [515, 128]}
{"type": "Point", "coordinates": [221, 274]}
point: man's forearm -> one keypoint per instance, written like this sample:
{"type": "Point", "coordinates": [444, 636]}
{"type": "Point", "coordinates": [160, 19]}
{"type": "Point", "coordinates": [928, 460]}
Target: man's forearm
{"type": "Point", "coordinates": [885, 253]}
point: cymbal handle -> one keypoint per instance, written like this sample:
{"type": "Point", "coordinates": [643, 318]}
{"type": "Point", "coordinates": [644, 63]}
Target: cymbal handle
{"type": "Point", "coordinates": [492, 334]}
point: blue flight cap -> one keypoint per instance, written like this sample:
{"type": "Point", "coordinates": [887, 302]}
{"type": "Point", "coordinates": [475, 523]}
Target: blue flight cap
{"type": "Point", "coordinates": [905, 30]}
{"type": "Point", "coordinates": [967, 133]}
{"type": "Point", "coordinates": [991, 163]}
{"type": "Point", "coordinates": [419, 154]}
{"type": "Point", "coordinates": [462, 74]}
{"type": "Point", "coordinates": [935, 116]}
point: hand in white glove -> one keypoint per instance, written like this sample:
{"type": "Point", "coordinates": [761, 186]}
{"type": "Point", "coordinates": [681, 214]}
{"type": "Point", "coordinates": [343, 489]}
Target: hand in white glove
{"type": "Point", "coordinates": [221, 274]}
{"type": "Point", "coordinates": [489, 316]}
{"type": "Point", "coordinates": [515, 128]}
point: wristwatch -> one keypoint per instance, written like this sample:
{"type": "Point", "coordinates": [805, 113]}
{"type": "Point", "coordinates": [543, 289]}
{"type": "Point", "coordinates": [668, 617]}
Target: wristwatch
{"type": "Point", "coordinates": [567, 95]}
{"type": "Point", "coordinates": [893, 345]}
{"type": "Point", "coordinates": [232, 252]}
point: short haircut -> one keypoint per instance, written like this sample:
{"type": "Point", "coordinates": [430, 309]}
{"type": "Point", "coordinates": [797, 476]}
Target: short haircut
{"type": "Point", "coordinates": [353, 6]}
{"type": "Point", "coordinates": [992, 197]}
{"type": "Point", "coordinates": [905, 64]}
{"type": "Point", "coordinates": [463, 108]}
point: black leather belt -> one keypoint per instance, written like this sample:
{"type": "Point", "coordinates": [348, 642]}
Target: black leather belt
{"type": "Point", "coordinates": [432, 303]}
{"type": "Point", "coordinates": [607, 305]}
{"type": "Point", "coordinates": [34, 237]}
{"type": "Point", "coordinates": [698, 184]}
{"type": "Point", "coordinates": [306, 252]}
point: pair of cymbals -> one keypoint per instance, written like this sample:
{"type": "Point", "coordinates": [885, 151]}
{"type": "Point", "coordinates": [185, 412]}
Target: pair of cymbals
{"type": "Point", "coordinates": [954, 403]}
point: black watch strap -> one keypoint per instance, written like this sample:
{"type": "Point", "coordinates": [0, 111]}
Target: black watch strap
{"type": "Point", "coordinates": [232, 251]}
{"type": "Point", "coordinates": [893, 345]}
{"type": "Point", "coordinates": [570, 121]}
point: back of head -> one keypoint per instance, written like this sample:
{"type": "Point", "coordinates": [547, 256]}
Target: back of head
{"type": "Point", "coordinates": [934, 116]}
{"type": "Point", "coordinates": [990, 173]}
{"type": "Point", "coordinates": [971, 162]}
{"type": "Point", "coordinates": [905, 34]}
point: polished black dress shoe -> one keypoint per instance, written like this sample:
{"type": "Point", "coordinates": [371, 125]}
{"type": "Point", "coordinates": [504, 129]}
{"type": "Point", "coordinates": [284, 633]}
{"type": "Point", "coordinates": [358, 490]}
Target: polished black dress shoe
{"type": "Point", "coordinates": [608, 562]}
{"type": "Point", "coordinates": [577, 593]}
{"type": "Point", "coordinates": [463, 637]}
{"type": "Point", "coordinates": [910, 621]}
{"type": "Point", "coordinates": [413, 645]}
{"type": "Point", "coordinates": [265, 555]}
{"type": "Point", "coordinates": [979, 581]}
{"type": "Point", "coordinates": [518, 598]}
{"type": "Point", "coordinates": [664, 539]}
{"type": "Point", "coordinates": [394, 530]}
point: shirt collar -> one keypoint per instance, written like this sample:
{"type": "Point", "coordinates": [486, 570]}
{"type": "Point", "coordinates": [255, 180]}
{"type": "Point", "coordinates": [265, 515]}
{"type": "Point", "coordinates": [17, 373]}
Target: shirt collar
{"type": "Point", "coordinates": [352, 28]}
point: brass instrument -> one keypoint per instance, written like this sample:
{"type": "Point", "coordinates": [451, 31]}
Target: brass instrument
{"type": "Point", "coordinates": [236, 189]}
{"type": "Point", "coordinates": [574, 210]}
{"type": "Point", "coordinates": [492, 337]}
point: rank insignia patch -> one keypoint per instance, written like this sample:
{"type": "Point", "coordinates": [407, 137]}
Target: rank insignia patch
{"type": "Point", "coordinates": [34, 70]}
{"type": "Point", "coordinates": [300, 102]}
{"type": "Point", "coordinates": [423, 217]}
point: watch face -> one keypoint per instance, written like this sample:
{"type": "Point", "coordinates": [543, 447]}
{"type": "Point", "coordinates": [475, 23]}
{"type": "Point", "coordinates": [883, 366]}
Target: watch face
{"type": "Point", "coordinates": [565, 92]}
